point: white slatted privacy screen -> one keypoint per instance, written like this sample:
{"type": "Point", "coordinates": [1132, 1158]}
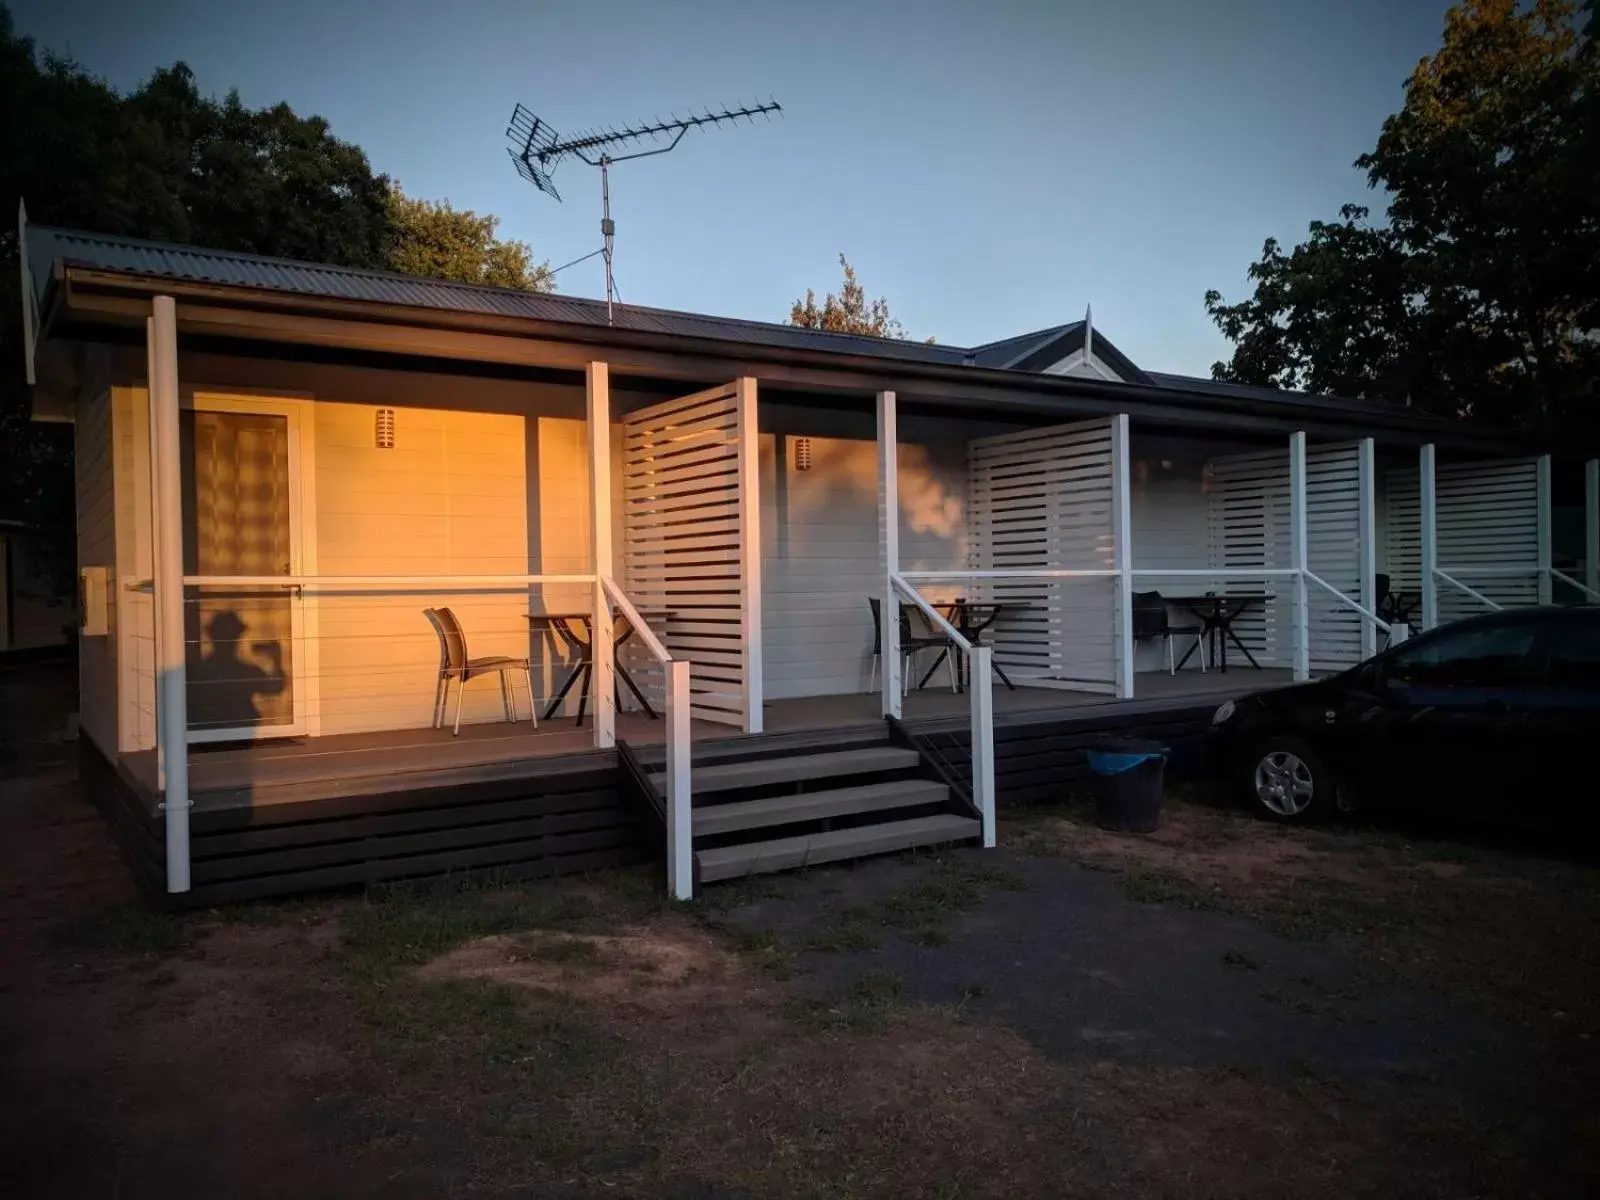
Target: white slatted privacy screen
{"type": "Point", "coordinates": [1488, 517]}
{"type": "Point", "coordinates": [684, 540]}
{"type": "Point", "coordinates": [1042, 499]}
{"type": "Point", "coordinates": [1250, 525]}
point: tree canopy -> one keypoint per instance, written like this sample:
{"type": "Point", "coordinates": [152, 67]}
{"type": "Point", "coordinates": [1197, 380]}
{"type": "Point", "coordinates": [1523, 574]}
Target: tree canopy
{"type": "Point", "coordinates": [441, 242]}
{"type": "Point", "coordinates": [847, 311]}
{"type": "Point", "coordinates": [165, 162]}
{"type": "Point", "coordinates": [1478, 296]}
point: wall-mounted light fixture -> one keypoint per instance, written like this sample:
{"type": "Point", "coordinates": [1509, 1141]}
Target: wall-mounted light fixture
{"type": "Point", "coordinates": [383, 432]}
{"type": "Point", "coordinates": [802, 454]}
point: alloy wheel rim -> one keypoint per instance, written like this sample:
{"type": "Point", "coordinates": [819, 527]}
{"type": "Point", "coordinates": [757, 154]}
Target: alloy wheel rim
{"type": "Point", "coordinates": [1283, 783]}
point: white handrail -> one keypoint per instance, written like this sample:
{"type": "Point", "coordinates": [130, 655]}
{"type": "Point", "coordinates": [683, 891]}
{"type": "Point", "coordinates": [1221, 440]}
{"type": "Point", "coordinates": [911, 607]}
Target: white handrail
{"type": "Point", "coordinates": [933, 614]}
{"type": "Point", "coordinates": [980, 701]}
{"type": "Point", "coordinates": [642, 630]}
{"type": "Point", "coordinates": [680, 791]}
{"type": "Point", "coordinates": [1493, 572]}
{"type": "Point", "coordinates": [1556, 573]}
{"type": "Point", "coordinates": [1348, 602]}
{"type": "Point", "coordinates": [1476, 595]}
{"type": "Point", "coordinates": [380, 582]}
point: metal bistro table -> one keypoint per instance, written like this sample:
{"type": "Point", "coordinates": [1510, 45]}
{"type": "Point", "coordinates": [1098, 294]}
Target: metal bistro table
{"type": "Point", "coordinates": [1217, 614]}
{"type": "Point", "coordinates": [971, 619]}
{"type": "Point", "coordinates": [576, 629]}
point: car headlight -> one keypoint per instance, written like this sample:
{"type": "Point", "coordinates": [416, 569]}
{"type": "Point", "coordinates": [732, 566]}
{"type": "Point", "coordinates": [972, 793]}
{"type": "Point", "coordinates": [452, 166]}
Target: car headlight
{"type": "Point", "coordinates": [1221, 716]}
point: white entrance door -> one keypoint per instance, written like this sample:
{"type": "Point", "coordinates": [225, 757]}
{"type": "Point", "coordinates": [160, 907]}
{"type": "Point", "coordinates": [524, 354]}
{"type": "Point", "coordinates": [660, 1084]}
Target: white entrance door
{"type": "Point", "coordinates": [247, 656]}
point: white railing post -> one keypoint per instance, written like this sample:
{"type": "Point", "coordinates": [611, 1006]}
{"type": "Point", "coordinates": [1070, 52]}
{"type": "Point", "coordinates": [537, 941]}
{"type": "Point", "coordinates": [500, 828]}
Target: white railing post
{"type": "Point", "coordinates": [602, 647]}
{"type": "Point", "coordinates": [1367, 536]}
{"type": "Point", "coordinates": [1122, 552]}
{"type": "Point", "coordinates": [1297, 554]}
{"type": "Point", "coordinates": [750, 549]}
{"type": "Point", "coordinates": [1542, 474]}
{"type": "Point", "coordinates": [981, 701]}
{"type": "Point", "coordinates": [1591, 525]}
{"type": "Point", "coordinates": [889, 538]}
{"type": "Point", "coordinates": [1430, 537]}
{"type": "Point", "coordinates": [680, 807]}
{"type": "Point", "coordinates": [172, 701]}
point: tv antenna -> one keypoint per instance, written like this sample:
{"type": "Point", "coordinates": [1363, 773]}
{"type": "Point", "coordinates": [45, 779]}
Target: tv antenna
{"type": "Point", "coordinates": [538, 151]}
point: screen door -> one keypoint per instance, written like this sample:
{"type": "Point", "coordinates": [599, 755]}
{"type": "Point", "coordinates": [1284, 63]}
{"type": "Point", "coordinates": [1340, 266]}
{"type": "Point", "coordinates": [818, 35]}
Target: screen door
{"type": "Point", "coordinates": [238, 512]}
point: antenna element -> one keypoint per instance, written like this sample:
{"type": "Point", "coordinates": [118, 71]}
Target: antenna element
{"type": "Point", "coordinates": [538, 151]}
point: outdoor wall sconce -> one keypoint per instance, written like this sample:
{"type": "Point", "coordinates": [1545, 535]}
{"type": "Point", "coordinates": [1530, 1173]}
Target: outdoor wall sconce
{"type": "Point", "coordinates": [383, 434]}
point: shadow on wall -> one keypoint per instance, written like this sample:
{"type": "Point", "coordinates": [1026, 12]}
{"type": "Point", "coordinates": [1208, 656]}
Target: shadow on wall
{"type": "Point", "coordinates": [225, 686]}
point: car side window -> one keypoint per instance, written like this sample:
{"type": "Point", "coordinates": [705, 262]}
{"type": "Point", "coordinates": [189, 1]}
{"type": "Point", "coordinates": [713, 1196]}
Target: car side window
{"type": "Point", "coordinates": [1483, 656]}
{"type": "Point", "coordinates": [1575, 655]}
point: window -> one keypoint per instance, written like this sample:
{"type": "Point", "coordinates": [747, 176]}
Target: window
{"type": "Point", "coordinates": [1484, 656]}
{"type": "Point", "coordinates": [1575, 654]}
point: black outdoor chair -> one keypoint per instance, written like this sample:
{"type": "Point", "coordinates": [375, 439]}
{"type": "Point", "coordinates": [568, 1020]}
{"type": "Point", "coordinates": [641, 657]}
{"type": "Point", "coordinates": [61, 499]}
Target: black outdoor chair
{"type": "Point", "coordinates": [1150, 620]}
{"type": "Point", "coordinates": [916, 633]}
{"type": "Point", "coordinates": [1394, 607]}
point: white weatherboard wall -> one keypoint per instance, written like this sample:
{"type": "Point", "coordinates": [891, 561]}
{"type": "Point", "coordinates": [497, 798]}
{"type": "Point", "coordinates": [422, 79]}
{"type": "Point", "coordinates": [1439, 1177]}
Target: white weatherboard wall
{"type": "Point", "coordinates": [1333, 553]}
{"type": "Point", "coordinates": [683, 532]}
{"type": "Point", "coordinates": [1171, 531]}
{"type": "Point", "coordinates": [1488, 517]}
{"type": "Point", "coordinates": [821, 556]}
{"type": "Point", "coordinates": [1042, 498]}
{"type": "Point", "coordinates": [1400, 523]}
{"type": "Point", "coordinates": [93, 456]}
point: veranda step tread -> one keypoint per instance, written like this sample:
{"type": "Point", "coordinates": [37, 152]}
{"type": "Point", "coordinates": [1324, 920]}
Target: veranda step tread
{"type": "Point", "coordinates": [795, 768]}
{"type": "Point", "coordinates": [743, 747]}
{"type": "Point", "coordinates": [815, 806]}
{"type": "Point", "coordinates": [783, 854]}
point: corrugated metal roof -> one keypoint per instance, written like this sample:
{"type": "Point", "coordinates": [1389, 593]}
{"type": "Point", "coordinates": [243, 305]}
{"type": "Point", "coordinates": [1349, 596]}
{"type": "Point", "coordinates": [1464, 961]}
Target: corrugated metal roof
{"type": "Point", "coordinates": [1006, 350]}
{"type": "Point", "coordinates": [47, 246]}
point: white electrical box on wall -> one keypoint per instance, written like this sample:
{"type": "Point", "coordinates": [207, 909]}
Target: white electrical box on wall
{"type": "Point", "coordinates": [93, 619]}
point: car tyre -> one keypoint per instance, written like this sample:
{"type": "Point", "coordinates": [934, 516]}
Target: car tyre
{"type": "Point", "coordinates": [1284, 780]}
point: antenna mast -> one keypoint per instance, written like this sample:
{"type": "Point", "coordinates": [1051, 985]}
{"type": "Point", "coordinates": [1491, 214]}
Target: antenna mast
{"type": "Point", "coordinates": [538, 151]}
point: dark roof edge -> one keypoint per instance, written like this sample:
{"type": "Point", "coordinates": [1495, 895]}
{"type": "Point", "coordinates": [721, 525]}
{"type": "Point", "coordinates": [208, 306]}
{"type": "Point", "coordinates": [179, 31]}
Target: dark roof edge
{"type": "Point", "coordinates": [948, 379]}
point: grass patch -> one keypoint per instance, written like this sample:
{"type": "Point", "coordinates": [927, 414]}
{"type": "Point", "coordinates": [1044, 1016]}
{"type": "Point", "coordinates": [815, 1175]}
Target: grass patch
{"type": "Point", "coordinates": [1240, 960]}
{"type": "Point", "coordinates": [407, 925]}
{"type": "Point", "coordinates": [573, 951]}
{"type": "Point", "coordinates": [129, 929]}
{"type": "Point", "coordinates": [947, 887]}
{"type": "Point", "coordinates": [850, 932]}
{"type": "Point", "coordinates": [861, 1007]}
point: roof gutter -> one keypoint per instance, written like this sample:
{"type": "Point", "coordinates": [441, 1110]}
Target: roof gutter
{"type": "Point", "coordinates": [84, 290]}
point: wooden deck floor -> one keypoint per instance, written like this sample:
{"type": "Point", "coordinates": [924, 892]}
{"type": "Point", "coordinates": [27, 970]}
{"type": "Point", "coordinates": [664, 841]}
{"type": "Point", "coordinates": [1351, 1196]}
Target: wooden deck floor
{"type": "Point", "coordinates": [297, 769]}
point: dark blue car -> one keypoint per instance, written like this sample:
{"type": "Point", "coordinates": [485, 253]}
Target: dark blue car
{"type": "Point", "coordinates": [1495, 718]}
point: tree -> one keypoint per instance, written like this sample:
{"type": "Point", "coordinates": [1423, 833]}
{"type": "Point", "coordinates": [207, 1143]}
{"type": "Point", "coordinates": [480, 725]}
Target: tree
{"type": "Point", "coordinates": [441, 242]}
{"type": "Point", "coordinates": [1479, 296]}
{"type": "Point", "coordinates": [847, 312]}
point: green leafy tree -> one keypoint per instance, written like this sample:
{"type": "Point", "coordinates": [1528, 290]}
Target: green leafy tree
{"type": "Point", "coordinates": [441, 242]}
{"type": "Point", "coordinates": [1479, 296]}
{"type": "Point", "coordinates": [847, 311]}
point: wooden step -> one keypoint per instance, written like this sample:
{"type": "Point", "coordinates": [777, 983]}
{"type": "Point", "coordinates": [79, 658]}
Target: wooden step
{"type": "Point", "coordinates": [763, 772]}
{"type": "Point", "coordinates": [816, 806]}
{"type": "Point", "coordinates": [745, 746]}
{"type": "Point", "coordinates": [783, 854]}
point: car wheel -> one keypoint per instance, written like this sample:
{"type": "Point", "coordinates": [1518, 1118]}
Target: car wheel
{"type": "Point", "coordinates": [1285, 780]}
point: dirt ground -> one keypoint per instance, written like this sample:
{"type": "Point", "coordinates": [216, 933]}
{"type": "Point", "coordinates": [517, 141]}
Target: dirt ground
{"type": "Point", "coordinates": [1224, 1009]}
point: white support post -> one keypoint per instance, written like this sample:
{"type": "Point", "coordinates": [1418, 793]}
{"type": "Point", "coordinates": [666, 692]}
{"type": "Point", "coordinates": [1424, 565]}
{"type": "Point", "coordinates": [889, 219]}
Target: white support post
{"type": "Point", "coordinates": [1122, 552]}
{"type": "Point", "coordinates": [602, 649]}
{"type": "Point", "coordinates": [1430, 537]}
{"type": "Point", "coordinates": [1367, 536]}
{"type": "Point", "coordinates": [750, 549]}
{"type": "Point", "coordinates": [982, 705]}
{"type": "Point", "coordinates": [1542, 470]}
{"type": "Point", "coordinates": [889, 533]}
{"type": "Point", "coordinates": [172, 700]}
{"type": "Point", "coordinates": [1591, 524]}
{"type": "Point", "coordinates": [680, 816]}
{"type": "Point", "coordinates": [1297, 553]}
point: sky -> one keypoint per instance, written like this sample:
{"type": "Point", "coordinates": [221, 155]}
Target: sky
{"type": "Point", "coordinates": [989, 168]}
